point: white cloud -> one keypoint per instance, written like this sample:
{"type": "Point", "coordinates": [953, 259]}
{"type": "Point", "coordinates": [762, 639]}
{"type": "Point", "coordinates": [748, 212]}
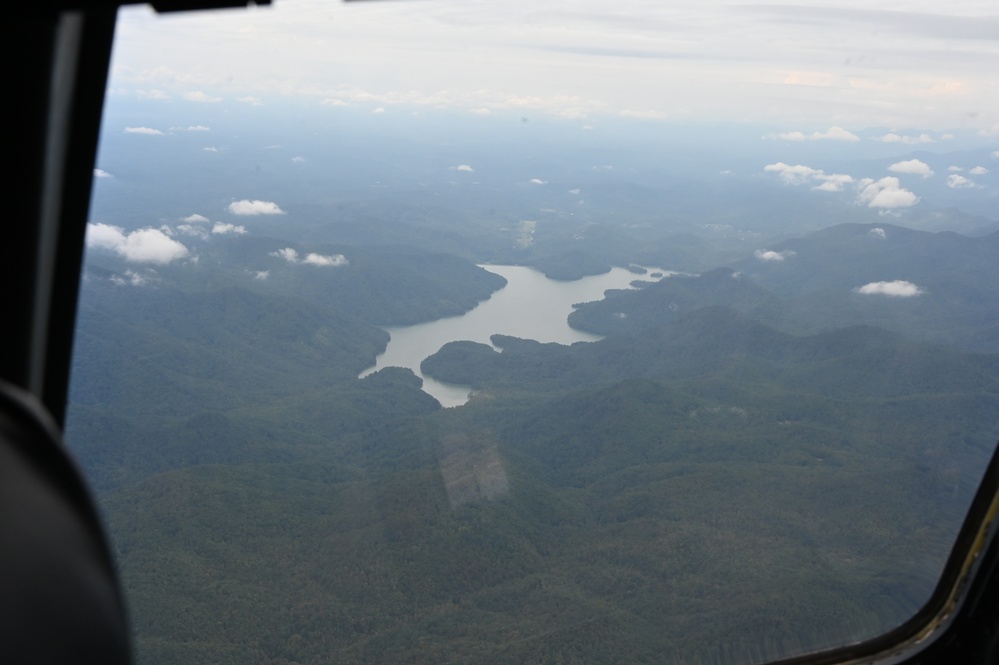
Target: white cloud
{"type": "Point", "coordinates": [954, 169]}
{"type": "Point", "coordinates": [130, 278]}
{"type": "Point", "coordinates": [464, 167]}
{"type": "Point", "coordinates": [261, 274]}
{"type": "Point", "coordinates": [538, 181]}
{"type": "Point", "coordinates": [886, 193]}
{"type": "Point", "coordinates": [792, 136]}
{"type": "Point", "coordinates": [222, 228]}
{"type": "Point", "coordinates": [252, 101]}
{"type": "Point", "coordinates": [574, 191]}
{"type": "Point", "coordinates": [200, 97]}
{"type": "Point", "coordinates": [190, 219]}
{"type": "Point", "coordinates": [771, 255]}
{"type": "Point", "coordinates": [334, 260]}
{"type": "Point", "coordinates": [288, 254]}
{"type": "Point", "coordinates": [143, 130]}
{"type": "Point", "coordinates": [152, 94]}
{"type": "Point", "coordinates": [298, 159]}
{"type": "Point", "coordinates": [142, 246]}
{"type": "Point", "coordinates": [378, 110]}
{"type": "Point", "coordinates": [254, 207]}
{"type": "Point", "coordinates": [891, 137]}
{"type": "Point", "coordinates": [959, 182]}
{"type": "Point", "coordinates": [993, 131]}
{"type": "Point", "coordinates": [198, 128]}
{"type": "Point", "coordinates": [800, 174]}
{"type": "Point", "coordinates": [912, 166]}
{"type": "Point", "coordinates": [978, 170]}
{"type": "Point", "coordinates": [995, 153]}
{"type": "Point", "coordinates": [794, 175]}
{"type": "Point", "coordinates": [192, 230]}
{"type": "Point", "coordinates": [831, 134]}
{"type": "Point", "coordinates": [100, 173]}
{"type": "Point", "coordinates": [313, 259]}
{"type": "Point", "coordinates": [898, 289]}
{"type": "Point", "coordinates": [104, 236]}
{"type": "Point", "coordinates": [834, 134]}
{"type": "Point", "coordinates": [210, 148]}
{"type": "Point", "coordinates": [151, 246]}
{"type": "Point", "coordinates": [833, 182]}
{"type": "Point", "coordinates": [333, 102]}
{"type": "Point", "coordinates": [877, 233]}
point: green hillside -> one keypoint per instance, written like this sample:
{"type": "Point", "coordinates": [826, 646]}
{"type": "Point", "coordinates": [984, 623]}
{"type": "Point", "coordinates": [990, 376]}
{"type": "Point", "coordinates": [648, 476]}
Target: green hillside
{"type": "Point", "coordinates": [726, 477]}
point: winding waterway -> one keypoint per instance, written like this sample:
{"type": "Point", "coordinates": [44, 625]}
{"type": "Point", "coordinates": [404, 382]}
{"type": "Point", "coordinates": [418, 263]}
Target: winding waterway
{"type": "Point", "coordinates": [530, 306]}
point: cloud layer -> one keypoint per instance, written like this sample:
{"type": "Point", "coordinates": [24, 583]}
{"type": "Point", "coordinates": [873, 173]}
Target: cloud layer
{"type": "Point", "coordinates": [798, 64]}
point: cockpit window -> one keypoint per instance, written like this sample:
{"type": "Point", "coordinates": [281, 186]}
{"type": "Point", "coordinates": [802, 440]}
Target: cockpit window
{"type": "Point", "coordinates": [574, 332]}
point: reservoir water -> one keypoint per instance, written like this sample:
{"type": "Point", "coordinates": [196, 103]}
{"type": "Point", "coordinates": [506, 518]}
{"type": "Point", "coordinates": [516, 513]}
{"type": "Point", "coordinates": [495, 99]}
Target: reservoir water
{"type": "Point", "coordinates": [530, 306]}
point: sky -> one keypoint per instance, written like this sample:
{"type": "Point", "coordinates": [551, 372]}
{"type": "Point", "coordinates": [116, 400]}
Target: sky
{"type": "Point", "coordinates": [814, 71]}
{"type": "Point", "coordinates": [906, 86]}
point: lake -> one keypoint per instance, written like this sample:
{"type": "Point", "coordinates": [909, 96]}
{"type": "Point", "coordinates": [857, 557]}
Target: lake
{"type": "Point", "coordinates": [530, 306]}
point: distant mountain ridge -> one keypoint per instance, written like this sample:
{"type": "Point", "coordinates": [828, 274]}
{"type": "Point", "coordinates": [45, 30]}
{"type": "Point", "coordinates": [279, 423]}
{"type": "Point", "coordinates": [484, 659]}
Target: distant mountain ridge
{"type": "Point", "coordinates": [944, 287]}
{"type": "Point", "coordinates": [880, 363]}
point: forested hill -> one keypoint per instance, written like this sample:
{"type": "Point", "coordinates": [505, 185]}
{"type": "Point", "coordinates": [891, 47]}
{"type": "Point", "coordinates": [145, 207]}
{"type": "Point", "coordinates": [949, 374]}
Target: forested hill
{"type": "Point", "coordinates": [760, 456]}
{"type": "Point", "coordinates": [377, 284]}
{"type": "Point", "coordinates": [932, 286]}
{"type": "Point", "coordinates": [859, 361]}
{"type": "Point", "coordinates": [210, 350]}
{"type": "Point", "coordinates": [755, 488]}
{"type": "Point", "coordinates": [164, 378]}
{"type": "Point", "coordinates": [384, 285]}
{"type": "Point", "coordinates": [626, 311]}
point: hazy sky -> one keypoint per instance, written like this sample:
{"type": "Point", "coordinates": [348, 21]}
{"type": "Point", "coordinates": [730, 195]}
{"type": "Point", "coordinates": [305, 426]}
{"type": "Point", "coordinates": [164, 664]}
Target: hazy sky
{"type": "Point", "coordinates": [906, 64]}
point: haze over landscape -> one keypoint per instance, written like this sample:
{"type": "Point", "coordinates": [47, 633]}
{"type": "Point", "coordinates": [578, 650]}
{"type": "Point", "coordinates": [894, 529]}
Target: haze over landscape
{"type": "Point", "coordinates": [768, 448]}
